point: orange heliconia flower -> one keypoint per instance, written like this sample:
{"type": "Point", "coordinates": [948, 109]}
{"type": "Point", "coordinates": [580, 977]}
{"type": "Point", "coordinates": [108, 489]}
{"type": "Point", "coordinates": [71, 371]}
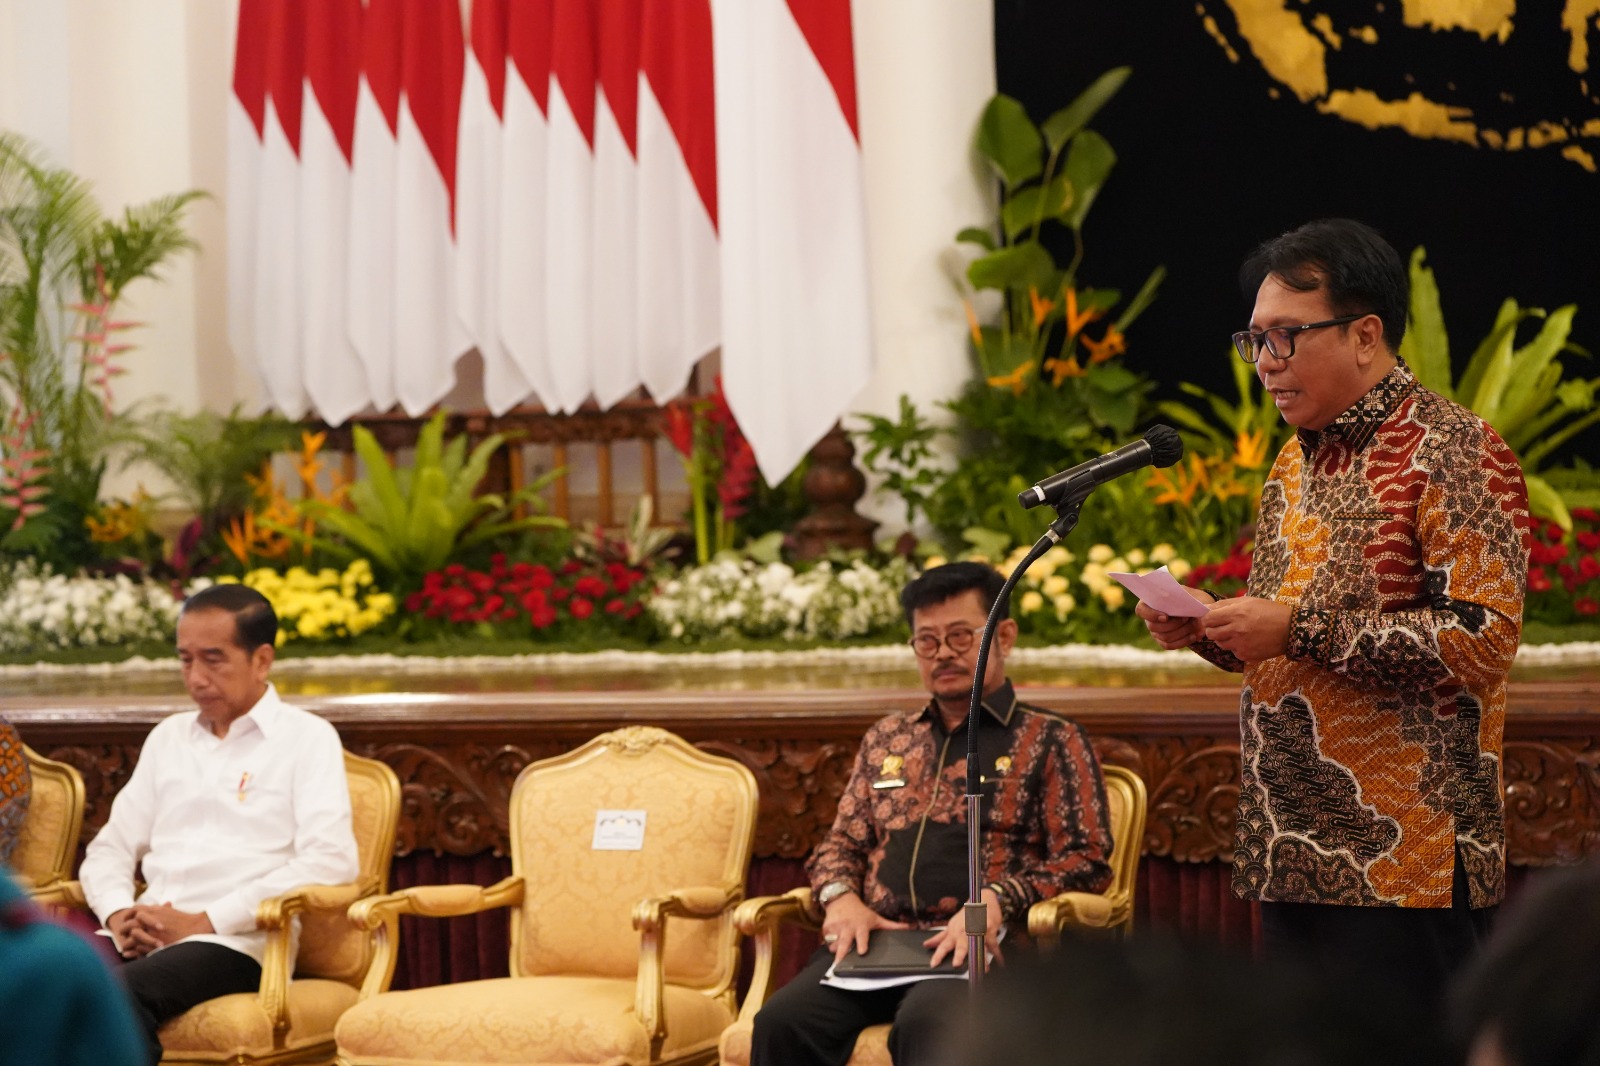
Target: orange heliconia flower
{"type": "Point", "coordinates": [972, 324]}
{"type": "Point", "coordinates": [1112, 344]}
{"type": "Point", "coordinates": [1076, 320]}
{"type": "Point", "coordinates": [1041, 307]}
{"type": "Point", "coordinates": [1250, 449]}
{"type": "Point", "coordinates": [1062, 369]}
{"type": "Point", "coordinates": [1016, 381]}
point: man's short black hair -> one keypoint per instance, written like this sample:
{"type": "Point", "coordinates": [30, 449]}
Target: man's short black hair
{"type": "Point", "coordinates": [254, 621]}
{"type": "Point", "coordinates": [946, 582]}
{"type": "Point", "coordinates": [1360, 271]}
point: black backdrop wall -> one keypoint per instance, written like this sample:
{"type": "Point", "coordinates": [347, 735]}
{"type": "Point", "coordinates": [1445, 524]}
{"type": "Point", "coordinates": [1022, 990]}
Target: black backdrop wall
{"type": "Point", "coordinates": [1217, 152]}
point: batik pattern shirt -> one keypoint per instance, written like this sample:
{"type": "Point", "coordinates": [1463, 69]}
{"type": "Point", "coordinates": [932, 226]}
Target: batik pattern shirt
{"type": "Point", "coordinates": [1370, 752]}
{"type": "Point", "coordinates": [900, 836]}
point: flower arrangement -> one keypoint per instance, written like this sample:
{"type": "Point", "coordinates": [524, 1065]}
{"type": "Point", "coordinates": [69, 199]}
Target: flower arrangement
{"type": "Point", "coordinates": [40, 609]}
{"type": "Point", "coordinates": [1564, 575]}
{"type": "Point", "coordinates": [530, 599]}
{"type": "Point", "coordinates": [323, 606]}
{"type": "Point", "coordinates": [1057, 604]}
{"type": "Point", "coordinates": [730, 598]}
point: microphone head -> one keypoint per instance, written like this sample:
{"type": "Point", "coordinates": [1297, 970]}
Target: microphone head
{"type": "Point", "coordinates": [1166, 447]}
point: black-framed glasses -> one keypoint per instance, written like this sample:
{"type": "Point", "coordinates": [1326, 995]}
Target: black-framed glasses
{"type": "Point", "coordinates": [926, 645]}
{"type": "Point", "coordinates": [1279, 340]}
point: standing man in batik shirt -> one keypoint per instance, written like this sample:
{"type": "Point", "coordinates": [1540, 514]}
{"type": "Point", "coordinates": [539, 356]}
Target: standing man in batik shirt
{"type": "Point", "coordinates": [896, 856]}
{"type": "Point", "coordinates": [1383, 612]}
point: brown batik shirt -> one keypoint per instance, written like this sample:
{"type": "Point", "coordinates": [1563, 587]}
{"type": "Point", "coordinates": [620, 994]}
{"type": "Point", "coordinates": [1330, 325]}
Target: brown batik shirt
{"type": "Point", "coordinates": [1370, 751]}
{"type": "Point", "coordinates": [900, 838]}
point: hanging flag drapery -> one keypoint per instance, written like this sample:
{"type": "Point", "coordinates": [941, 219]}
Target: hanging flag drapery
{"type": "Point", "coordinates": [594, 196]}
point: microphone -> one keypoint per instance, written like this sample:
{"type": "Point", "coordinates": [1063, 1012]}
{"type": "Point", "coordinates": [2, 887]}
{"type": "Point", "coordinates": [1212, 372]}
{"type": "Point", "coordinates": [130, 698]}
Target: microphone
{"type": "Point", "coordinates": [1161, 446]}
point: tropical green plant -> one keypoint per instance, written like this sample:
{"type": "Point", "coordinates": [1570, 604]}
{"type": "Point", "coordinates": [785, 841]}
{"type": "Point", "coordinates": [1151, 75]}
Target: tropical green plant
{"type": "Point", "coordinates": [1522, 390]}
{"type": "Point", "coordinates": [63, 267]}
{"type": "Point", "coordinates": [1048, 393]}
{"type": "Point", "coordinates": [900, 453]}
{"type": "Point", "coordinates": [412, 520]}
{"type": "Point", "coordinates": [208, 457]}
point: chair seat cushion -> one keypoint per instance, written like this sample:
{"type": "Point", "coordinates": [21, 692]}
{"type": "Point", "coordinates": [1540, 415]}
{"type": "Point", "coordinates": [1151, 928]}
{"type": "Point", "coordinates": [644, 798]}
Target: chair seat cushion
{"type": "Point", "coordinates": [872, 1046]}
{"type": "Point", "coordinates": [523, 1020]}
{"type": "Point", "coordinates": [228, 1026]}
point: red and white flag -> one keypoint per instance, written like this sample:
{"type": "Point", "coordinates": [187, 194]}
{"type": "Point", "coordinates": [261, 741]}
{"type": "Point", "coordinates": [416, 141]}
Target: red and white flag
{"type": "Point", "coordinates": [569, 202]}
{"type": "Point", "coordinates": [796, 325]}
{"type": "Point", "coordinates": [520, 282]}
{"type": "Point", "coordinates": [612, 288]}
{"type": "Point", "coordinates": [247, 119]}
{"type": "Point", "coordinates": [429, 336]}
{"type": "Point", "coordinates": [478, 178]}
{"type": "Point", "coordinates": [272, 44]}
{"type": "Point", "coordinates": [370, 294]}
{"type": "Point", "coordinates": [679, 294]}
{"type": "Point", "coordinates": [333, 373]}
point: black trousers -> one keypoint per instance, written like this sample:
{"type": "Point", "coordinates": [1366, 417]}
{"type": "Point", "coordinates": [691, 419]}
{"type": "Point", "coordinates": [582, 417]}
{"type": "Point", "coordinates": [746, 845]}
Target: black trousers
{"type": "Point", "coordinates": [168, 982]}
{"type": "Point", "coordinates": [811, 1024]}
{"type": "Point", "coordinates": [1411, 952]}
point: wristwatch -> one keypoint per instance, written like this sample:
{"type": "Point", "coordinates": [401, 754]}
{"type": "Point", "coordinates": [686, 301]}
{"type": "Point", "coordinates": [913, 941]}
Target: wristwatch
{"type": "Point", "coordinates": [832, 891]}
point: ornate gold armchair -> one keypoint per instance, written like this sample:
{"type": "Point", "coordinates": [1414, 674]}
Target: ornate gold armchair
{"type": "Point", "coordinates": [290, 1019]}
{"type": "Point", "coordinates": [598, 972]}
{"type": "Point", "coordinates": [1112, 911]}
{"type": "Point", "coordinates": [48, 840]}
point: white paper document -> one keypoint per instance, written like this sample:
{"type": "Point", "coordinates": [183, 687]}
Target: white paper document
{"type": "Point", "coordinates": [1160, 591]}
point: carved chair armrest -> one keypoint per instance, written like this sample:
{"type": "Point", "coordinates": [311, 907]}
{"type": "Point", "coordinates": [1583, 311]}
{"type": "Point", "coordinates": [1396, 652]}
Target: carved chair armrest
{"type": "Point", "coordinates": [66, 894]}
{"type": "Point", "coordinates": [1085, 910]}
{"type": "Point", "coordinates": [759, 919]}
{"type": "Point", "coordinates": [380, 917]}
{"type": "Point", "coordinates": [650, 918]}
{"type": "Point", "coordinates": [276, 915]}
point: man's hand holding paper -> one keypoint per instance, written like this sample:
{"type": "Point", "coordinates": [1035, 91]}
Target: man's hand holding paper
{"type": "Point", "coordinates": [1174, 614]}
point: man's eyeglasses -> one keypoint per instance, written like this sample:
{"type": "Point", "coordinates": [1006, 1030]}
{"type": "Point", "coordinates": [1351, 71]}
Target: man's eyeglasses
{"type": "Point", "coordinates": [1279, 340]}
{"type": "Point", "coordinates": [926, 645]}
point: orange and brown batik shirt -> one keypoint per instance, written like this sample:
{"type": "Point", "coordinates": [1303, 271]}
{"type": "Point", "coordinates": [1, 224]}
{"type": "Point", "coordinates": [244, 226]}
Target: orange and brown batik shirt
{"type": "Point", "coordinates": [900, 838]}
{"type": "Point", "coordinates": [1370, 752]}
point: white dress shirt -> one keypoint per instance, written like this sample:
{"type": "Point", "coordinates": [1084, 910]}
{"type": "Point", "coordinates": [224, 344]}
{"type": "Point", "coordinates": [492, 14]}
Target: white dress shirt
{"type": "Point", "coordinates": [220, 824]}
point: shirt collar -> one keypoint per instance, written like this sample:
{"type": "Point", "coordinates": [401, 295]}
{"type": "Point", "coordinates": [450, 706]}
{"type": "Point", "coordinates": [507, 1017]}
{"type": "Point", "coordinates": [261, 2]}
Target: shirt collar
{"type": "Point", "coordinates": [264, 716]}
{"type": "Point", "coordinates": [1360, 421]}
{"type": "Point", "coordinates": [1001, 704]}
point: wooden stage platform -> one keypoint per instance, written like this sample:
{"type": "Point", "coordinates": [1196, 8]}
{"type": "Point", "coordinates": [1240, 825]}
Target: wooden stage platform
{"type": "Point", "coordinates": [459, 739]}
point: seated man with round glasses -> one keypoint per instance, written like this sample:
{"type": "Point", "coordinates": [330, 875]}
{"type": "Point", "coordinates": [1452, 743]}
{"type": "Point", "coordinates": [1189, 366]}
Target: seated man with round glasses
{"type": "Point", "coordinates": [896, 856]}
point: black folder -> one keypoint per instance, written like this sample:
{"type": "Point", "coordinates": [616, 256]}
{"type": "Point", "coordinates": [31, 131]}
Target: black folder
{"type": "Point", "coordinates": [895, 953]}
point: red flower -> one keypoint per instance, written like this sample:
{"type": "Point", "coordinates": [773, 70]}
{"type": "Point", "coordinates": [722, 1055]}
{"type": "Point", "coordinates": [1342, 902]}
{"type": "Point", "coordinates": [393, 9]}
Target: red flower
{"type": "Point", "coordinates": [1586, 514]}
{"type": "Point", "coordinates": [580, 607]}
{"type": "Point", "coordinates": [616, 606]}
{"type": "Point", "coordinates": [571, 566]}
{"type": "Point", "coordinates": [1546, 554]}
{"type": "Point", "coordinates": [1587, 605]}
{"type": "Point", "coordinates": [1588, 568]}
{"type": "Point", "coordinates": [679, 425]}
{"type": "Point", "coordinates": [542, 616]}
{"type": "Point", "coordinates": [534, 600]}
{"type": "Point", "coordinates": [1588, 541]}
{"type": "Point", "coordinates": [1538, 580]}
{"type": "Point", "coordinates": [589, 586]}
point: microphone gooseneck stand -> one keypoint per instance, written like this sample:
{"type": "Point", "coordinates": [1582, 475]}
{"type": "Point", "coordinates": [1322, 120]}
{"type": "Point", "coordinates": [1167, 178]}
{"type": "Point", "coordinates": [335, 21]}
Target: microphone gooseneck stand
{"type": "Point", "coordinates": [976, 913]}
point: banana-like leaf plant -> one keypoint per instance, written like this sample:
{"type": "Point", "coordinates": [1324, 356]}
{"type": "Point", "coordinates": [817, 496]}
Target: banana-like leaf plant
{"type": "Point", "coordinates": [412, 520]}
{"type": "Point", "coordinates": [1522, 390]}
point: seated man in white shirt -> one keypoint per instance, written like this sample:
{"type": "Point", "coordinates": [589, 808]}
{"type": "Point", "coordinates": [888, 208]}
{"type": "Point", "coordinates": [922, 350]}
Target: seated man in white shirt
{"type": "Point", "coordinates": [229, 805]}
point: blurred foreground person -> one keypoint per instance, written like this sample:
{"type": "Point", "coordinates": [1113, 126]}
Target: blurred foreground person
{"type": "Point", "coordinates": [59, 1005]}
{"type": "Point", "coordinates": [1153, 1001]}
{"type": "Point", "coordinates": [1533, 997]}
